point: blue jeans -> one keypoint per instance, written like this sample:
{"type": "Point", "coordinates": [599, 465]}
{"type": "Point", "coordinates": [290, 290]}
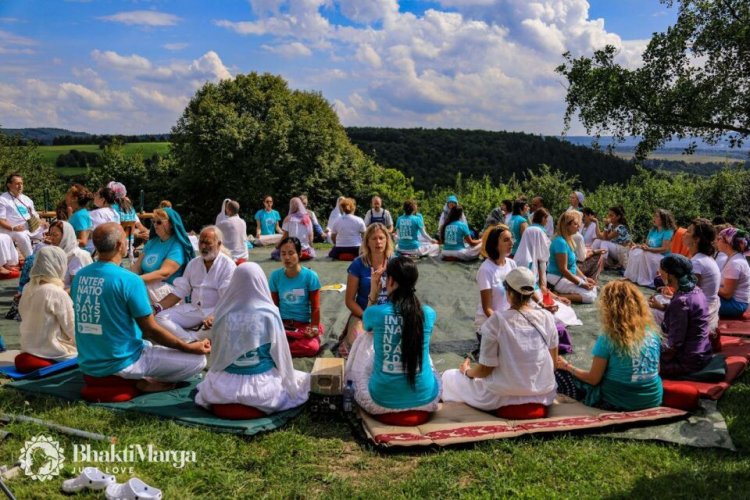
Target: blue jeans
{"type": "Point", "coordinates": [731, 308]}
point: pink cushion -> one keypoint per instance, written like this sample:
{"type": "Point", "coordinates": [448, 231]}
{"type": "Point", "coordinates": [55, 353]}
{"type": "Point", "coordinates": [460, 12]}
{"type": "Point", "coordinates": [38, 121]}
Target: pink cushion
{"type": "Point", "coordinates": [526, 411]}
{"type": "Point", "coordinates": [234, 411]}
{"type": "Point", "coordinates": [111, 389]}
{"type": "Point", "coordinates": [27, 363]}
{"type": "Point", "coordinates": [408, 418]}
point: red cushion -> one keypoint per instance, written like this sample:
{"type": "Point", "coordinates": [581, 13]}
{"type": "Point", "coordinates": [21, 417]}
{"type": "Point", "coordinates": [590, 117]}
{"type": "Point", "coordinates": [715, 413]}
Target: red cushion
{"type": "Point", "coordinates": [234, 411]}
{"type": "Point", "coordinates": [408, 418]}
{"type": "Point", "coordinates": [27, 363]}
{"type": "Point", "coordinates": [240, 261]}
{"type": "Point", "coordinates": [740, 327]}
{"type": "Point", "coordinates": [526, 411]}
{"type": "Point", "coordinates": [680, 394]}
{"type": "Point", "coordinates": [449, 258]}
{"type": "Point", "coordinates": [346, 256]}
{"type": "Point", "coordinates": [111, 389]}
{"type": "Point", "coordinates": [13, 274]}
{"type": "Point", "coordinates": [735, 346]}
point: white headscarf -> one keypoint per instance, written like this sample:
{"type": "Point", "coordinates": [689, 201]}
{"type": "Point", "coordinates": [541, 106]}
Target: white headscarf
{"type": "Point", "coordinates": [50, 263]}
{"type": "Point", "coordinates": [534, 248]}
{"type": "Point", "coordinates": [246, 318]}
{"type": "Point", "coordinates": [223, 214]}
{"type": "Point", "coordinates": [69, 245]}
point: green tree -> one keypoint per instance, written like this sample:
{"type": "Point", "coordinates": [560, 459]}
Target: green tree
{"type": "Point", "coordinates": [694, 81]}
{"type": "Point", "coordinates": [40, 179]}
{"type": "Point", "coordinates": [252, 135]}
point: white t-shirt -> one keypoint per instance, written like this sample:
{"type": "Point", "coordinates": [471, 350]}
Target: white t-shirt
{"type": "Point", "coordinates": [721, 259]}
{"type": "Point", "coordinates": [16, 211]}
{"type": "Point", "coordinates": [710, 276]}
{"type": "Point", "coordinates": [580, 247]}
{"type": "Point", "coordinates": [490, 276]}
{"type": "Point", "coordinates": [348, 230]}
{"type": "Point", "coordinates": [589, 233]}
{"type": "Point", "coordinates": [738, 269]}
{"type": "Point", "coordinates": [101, 215]}
{"type": "Point", "coordinates": [299, 231]}
{"type": "Point", "coordinates": [234, 229]}
{"type": "Point", "coordinates": [517, 345]}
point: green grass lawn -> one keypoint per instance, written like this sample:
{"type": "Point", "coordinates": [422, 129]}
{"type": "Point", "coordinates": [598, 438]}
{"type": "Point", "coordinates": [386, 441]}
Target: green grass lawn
{"type": "Point", "coordinates": [49, 154]}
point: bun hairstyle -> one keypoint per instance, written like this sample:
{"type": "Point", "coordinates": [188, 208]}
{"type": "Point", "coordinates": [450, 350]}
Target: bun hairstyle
{"type": "Point", "coordinates": [404, 272]}
{"type": "Point", "coordinates": [81, 194]}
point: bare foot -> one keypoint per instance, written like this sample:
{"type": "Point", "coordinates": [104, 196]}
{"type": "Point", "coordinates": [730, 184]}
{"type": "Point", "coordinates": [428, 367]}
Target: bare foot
{"type": "Point", "coordinates": [150, 385]}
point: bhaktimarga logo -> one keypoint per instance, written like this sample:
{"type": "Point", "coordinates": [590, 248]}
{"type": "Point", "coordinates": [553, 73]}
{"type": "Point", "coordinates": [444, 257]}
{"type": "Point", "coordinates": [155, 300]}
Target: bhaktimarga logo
{"type": "Point", "coordinates": [42, 458]}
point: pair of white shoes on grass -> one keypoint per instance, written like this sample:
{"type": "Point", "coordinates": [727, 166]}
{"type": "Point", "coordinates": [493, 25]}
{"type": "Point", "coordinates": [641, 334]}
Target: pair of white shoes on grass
{"type": "Point", "coordinates": [94, 479]}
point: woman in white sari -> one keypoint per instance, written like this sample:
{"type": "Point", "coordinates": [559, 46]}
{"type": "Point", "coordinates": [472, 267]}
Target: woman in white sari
{"type": "Point", "coordinates": [250, 363]}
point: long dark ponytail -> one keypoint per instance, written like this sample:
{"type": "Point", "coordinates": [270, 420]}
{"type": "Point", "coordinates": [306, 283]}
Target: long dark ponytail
{"type": "Point", "coordinates": [406, 304]}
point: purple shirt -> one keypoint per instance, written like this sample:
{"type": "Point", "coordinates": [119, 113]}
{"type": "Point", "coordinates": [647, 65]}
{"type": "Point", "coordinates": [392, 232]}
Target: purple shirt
{"type": "Point", "coordinates": [685, 327]}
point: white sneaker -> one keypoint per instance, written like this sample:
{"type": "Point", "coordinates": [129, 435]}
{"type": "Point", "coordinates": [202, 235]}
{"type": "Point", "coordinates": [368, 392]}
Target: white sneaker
{"type": "Point", "coordinates": [134, 489]}
{"type": "Point", "coordinates": [91, 478]}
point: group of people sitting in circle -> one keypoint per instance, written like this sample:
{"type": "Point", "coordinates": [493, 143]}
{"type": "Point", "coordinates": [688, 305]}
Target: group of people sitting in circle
{"type": "Point", "coordinates": [178, 310]}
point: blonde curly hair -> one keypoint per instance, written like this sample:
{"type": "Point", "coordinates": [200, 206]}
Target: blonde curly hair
{"type": "Point", "coordinates": [625, 316]}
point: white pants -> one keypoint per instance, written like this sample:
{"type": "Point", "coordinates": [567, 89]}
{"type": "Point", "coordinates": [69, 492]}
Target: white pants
{"type": "Point", "coordinates": [267, 240]}
{"type": "Point", "coordinates": [424, 250]}
{"type": "Point", "coordinates": [164, 364]}
{"type": "Point", "coordinates": [615, 255]}
{"type": "Point", "coordinates": [157, 290]}
{"type": "Point", "coordinates": [466, 254]}
{"type": "Point", "coordinates": [478, 394]}
{"type": "Point", "coordinates": [23, 239]}
{"type": "Point", "coordinates": [566, 287]}
{"type": "Point", "coordinates": [181, 316]}
{"type": "Point", "coordinates": [8, 253]}
{"type": "Point", "coordinates": [642, 266]}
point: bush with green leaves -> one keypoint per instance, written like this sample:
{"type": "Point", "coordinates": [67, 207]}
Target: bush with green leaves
{"type": "Point", "coordinates": [40, 180]}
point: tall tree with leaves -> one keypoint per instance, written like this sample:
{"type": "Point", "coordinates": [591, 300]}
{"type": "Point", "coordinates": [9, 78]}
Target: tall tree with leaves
{"type": "Point", "coordinates": [694, 81]}
{"type": "Point", "coordinates": [252, 135]}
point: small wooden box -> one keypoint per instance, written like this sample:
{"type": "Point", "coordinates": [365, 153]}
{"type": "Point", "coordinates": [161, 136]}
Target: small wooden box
{"type": "Point", "coordinates": [328, 377]}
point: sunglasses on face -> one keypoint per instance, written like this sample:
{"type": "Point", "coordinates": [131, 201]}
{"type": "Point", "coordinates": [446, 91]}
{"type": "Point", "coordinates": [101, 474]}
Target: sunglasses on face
{"type": "Point", "coordinates": [159, 222]}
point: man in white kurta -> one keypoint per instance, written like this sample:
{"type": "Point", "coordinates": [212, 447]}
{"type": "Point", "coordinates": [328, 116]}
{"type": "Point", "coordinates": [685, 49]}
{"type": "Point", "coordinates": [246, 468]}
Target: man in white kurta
{"type": "Point", "coordinates": [205, 280]}
{"type": "Point", "coordinates": [15, 211]}
{"type": "Point", "coordinates": [234, 230]}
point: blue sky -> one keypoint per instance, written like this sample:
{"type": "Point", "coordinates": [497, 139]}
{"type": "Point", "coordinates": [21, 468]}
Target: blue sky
{"type": "Point", "coordinates": [111, 66]}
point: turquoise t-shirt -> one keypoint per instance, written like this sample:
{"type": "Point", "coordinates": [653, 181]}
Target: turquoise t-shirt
{"type": "Point", "coordinates": [455, 232]}
{"type": "Point", "coordinates": [629, 383]}
{"type": "Point", "coordinates": [81, 220]}
{"type": "Point", "coordinates": [294, 293]}
{"type": "Point", "coordinates": [129, 216]}
{"type": "Point", "coordinates": [156, 251]}
{"type": "Point", "coordinates": [388, 385]}
{"type": "Point", "coordinates": [409, 227]}
{"type": "Point", "coordinates": [656, 238]}
{"type": "Point", "coordinates": [267, 221]}
{"type": "Point", "coordinates": [559, 245]}
{"type": "Point", "coordinates": [107, 300]}
{"type": "Point", "coordinates": [515, 230]}
{"type": "Point", "coordinates": [253, 362]}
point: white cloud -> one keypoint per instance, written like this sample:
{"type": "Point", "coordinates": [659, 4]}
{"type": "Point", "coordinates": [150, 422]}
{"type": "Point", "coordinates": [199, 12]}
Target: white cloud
{"type": "Point", "coordinates": [294, 49]}
{"type": "Point", "coordinates": [366, 54]}
{"type": "Point", "coordinates": [10, 43]}
{"type": "Point", "coordinates": [171, 103]}
{"type": "Point", "coordinates": [113, 60]}
{"type": "Point", "coordinates": [368, 11]}
{"type": "Point", "coordinates": [143, 18]}
{"type": "Point", "coordinates": [175, 46]}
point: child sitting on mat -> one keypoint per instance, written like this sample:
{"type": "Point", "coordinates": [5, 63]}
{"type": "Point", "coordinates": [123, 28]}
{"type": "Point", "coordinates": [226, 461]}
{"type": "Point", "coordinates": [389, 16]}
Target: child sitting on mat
{"type": "Point", "coordinates": [296, 292]}
{"type": "Point", "coordinates": [390, 363]}
{"type": "Point", "coordinates": [48, 330]}
{"type": "Point", "coordinates": [516, 357]}
{"type": "Point", "coordinates": [250, 362]}
{"type": "Point", "coordinates": [624, 373]}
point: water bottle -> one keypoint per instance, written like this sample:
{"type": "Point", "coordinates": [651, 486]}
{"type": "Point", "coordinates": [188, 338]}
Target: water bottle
{"type": "Point", "coordinates": [349, 397]}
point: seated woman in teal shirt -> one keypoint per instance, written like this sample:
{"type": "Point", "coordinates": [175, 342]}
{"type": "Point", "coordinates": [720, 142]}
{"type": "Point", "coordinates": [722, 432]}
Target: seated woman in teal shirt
{"type": "Point", "coordinates": [643, 259]}
{"type": "Point", "coordinates": [390, 364]}
{"type": "Point", "coordinates": [250, 362]}
{"type": "Point", "coordinates": [296, 291]}
{"type": "Point", "coordinates": [164, 255]}
{"type": "Point", "coordinates": [518, 222]}
{"type": "Point", "coordinates": [624, 373]}
{"type": "Point", "coordinates": [77, 198]}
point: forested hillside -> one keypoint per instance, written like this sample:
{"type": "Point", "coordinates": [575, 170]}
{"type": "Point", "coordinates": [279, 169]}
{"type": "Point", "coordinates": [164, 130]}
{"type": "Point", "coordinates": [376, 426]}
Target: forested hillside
{"type": "Point", "coordinates": [433, 157]}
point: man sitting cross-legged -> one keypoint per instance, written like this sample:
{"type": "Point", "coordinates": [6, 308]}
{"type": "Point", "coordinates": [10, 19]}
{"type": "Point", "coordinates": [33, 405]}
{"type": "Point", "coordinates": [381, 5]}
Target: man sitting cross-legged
{"type": "Point", "coordinates": [113, 315]}
{"type": "Point", "coordinates": [205, 280]}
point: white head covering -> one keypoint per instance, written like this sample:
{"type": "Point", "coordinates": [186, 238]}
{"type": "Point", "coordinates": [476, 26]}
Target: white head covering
{"type": "Point", "coordinates": [50, 263]}
{"type": "Point", "coordinates": [246, 318]}
{"type": "Point", "coordinates": [534, 247]}
{"type": "Point", "coordinates": [69, 244]}
{"type": "Point", "coordinates": [223, 214]}
{"type": "Point", "coordinates": [119, 190]}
